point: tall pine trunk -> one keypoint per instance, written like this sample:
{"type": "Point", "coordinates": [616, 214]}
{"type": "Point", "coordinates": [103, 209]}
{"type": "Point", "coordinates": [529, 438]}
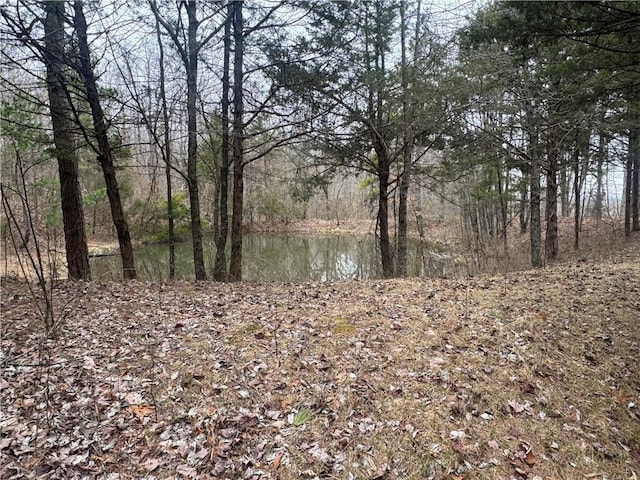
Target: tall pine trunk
{"type": "Point", "coordinates": [600, 190]}
{"type": "Point", "coordinates": [523, 206]}
{"type": "Point", "coordinates": [565, 189]}
{"type": "Point", "coordinates": [192, 141]}
{"type": "Point", "coordinates": [104, 152]}
{"type": "Point", "coordinates": [535, 224]}
{"type": "Point", "coordinates": [535, 227]}
{"type": "Point", "coordinates": [75, 237]}
{"type": "Point", "coordinates": [235, 266]}
{"type": "Point", "coordinates": [579, 180]}
{"type": "Point", "coordinates": [386, 254]}
{"type": "Point", "coordinates": [220, 268]}
{"type": "Point", "coordinates": [407, 147]}
{"type": "Point", "coordinates": [634, 153]}
{"type": "Point", "coordinates": [502, 186]}
{"type": "Point", "coordinates": [551, 210]}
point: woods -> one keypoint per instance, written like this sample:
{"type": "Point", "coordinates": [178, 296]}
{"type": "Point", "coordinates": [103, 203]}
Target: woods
{"type": "Point", "coordinates": [305, 239]}
{"type": "Point", "coordinates": [518, 113]}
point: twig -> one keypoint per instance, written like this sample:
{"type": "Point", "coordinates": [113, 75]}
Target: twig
{"type": "Point", "coordinates": [276, 327]}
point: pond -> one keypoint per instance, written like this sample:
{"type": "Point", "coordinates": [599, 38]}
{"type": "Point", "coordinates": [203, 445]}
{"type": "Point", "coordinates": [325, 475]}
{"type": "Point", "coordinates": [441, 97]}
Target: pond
{"type": "Point", "coordinates": [282, 257]}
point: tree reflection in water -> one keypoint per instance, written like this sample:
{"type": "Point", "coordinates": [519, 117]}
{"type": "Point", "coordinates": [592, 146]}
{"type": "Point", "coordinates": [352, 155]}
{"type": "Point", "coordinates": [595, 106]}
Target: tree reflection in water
{"type": "Point", "coordinates": [278, 257]}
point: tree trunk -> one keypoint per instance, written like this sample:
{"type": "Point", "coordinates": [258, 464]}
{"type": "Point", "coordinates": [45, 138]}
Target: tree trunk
{"type": "Point", "coordinates": [503, 206]}
{"type": "Point", "coordinates": [581, 169]}
{"type": "Point", "coordinates": [377, 90]}
{"type": "Point", "coordinates": [192, 141]}
{"type": "Point", "coordinates": [551, 210]}
{"type": "Point", "coordinates": [535, 227]}
{"type": "Point", "coordinates": [407, 147]}
{"type": "Point", "coordinates": [235, 267]}
{"type": "Point", "coordinates": [634, 154]}
{"type": "Point", "coordinates": [577, 191]}
{"type": "Point", "coordinates": [600, 192]}
{"type": "Point", "coordinates": [70, 193]}
{"type": "Point", "coordinates": [564, 190]}
{"type": "Point", "coordinates": [167, 158]}
{"type": "Point", "coordinates": [223, 215]}
{"type": "Point", "coordinates": [105, 155]}
{"type": "Point", "coordinates": [524, 202]}
{"type": "Point", "coordinates": [383, 210]}
{"type": "Point", "coordinates": [627, 194]}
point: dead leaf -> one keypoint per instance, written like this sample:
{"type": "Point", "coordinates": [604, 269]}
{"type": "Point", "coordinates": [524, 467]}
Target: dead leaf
{"type": "Point", "coordinates": [527, 387]}
{"type": "Point", "coordinates": [276, 460]}
{"type": "Point", "coordinates": [380, 472]}
{"type": "Point", "coordinates": [516, 407]}
{"type": "Point", "coordinates": [620, 397]}
{"type": "Point", "coordinates": [530, 459]}
{"type": "Point", "coordinates": [142, 410]}
{"type": "Point", "coordinates": [187, 471]}
{"type": "Point", "coordinates": [426, 371]}
{"type": "Point", "coordinates": [151, 464]}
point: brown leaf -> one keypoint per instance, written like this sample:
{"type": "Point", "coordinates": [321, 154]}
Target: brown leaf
{"type": "Point", "coordinates": [620, 397]}
{"type": "Point", "coordinates": [276, 460]}
{"type": "Point", "coordinates": [151, 464]}
{"type": "Point", "coordinates": [515, 406]}
{"type": "Point", "coordinates": [530, 459]}
{"type": "Point", "coordinates": [380, 472]}
{"type": "Point", "coordinates": [527, 387]}
{"type": "Point", "coordinates": [142, 410]}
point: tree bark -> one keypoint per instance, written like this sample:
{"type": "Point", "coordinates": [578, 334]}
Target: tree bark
{"type": "Point", "coordinates": [551, 210]}
{"type": "Point", "coordinates": [407, 148]}
{"type": "Point", "coordinates": [534, 214]}
{"type": "Point", "coordinates": [577, 191]}
{"type": "Point", "coordinates": [580, 177]}
{"type": "Point", "coordinates": [104, 153]}
{"type": "Point", "coordinates": [192, 141]}
{"type": "Point", "coordinates": [376, 126]}
{"type": "Point", "coordinates": [600, 192]}
{"type": "Point", "coordinates": [386, 254]}
{"type": "Point", "coordinates": [235, 267]}
{"type": "Point", "coordinates": [503, 206]}
{"type": "Point", "coordinates": [564, 190]}
{"type": "Point", "coordinates": [524, 203]}
{"type": "Point", "coordinates": [628, 180]}
{"type": "Point", "coordinates": [634, 154]}
{"type": "Point", "coordinates": [535, 227]}
{"type": "Point", "coordinates": [75, 237]}
{"type": "Point", "coordinates": [223, 214]}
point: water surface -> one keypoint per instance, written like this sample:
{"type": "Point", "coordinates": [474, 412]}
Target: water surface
{"type": "Point", "coordinates": [281, 257]}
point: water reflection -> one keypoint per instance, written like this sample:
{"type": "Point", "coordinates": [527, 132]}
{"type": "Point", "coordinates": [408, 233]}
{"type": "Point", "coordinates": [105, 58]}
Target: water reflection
{"type": "Point", "coordinates": [300, 258]}
{"type": "Point", "coordinates": [274, 257]}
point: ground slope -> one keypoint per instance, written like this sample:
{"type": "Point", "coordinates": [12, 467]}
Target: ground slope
{"type": "Point", "coordinates": [529, 375]}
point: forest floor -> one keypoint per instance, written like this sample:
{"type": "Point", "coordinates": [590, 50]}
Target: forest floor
{"type": "Point", "coordinates": [525, 375]}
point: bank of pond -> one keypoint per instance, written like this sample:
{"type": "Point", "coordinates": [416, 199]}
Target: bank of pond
{"type": "Point", "coordinates": [285, 257]}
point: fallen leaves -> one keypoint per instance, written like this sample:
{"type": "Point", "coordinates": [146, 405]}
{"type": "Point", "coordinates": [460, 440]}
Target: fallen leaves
{"type": "Point", "coordinates": [379, 380]}
{"type": "Point", "coordinates": [517, 407]}
{"type": "Point", "coordinates": [142, 410]}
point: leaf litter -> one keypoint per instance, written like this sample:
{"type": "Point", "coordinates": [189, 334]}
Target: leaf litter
{"type": "Point", "coordinates": [530, 375]}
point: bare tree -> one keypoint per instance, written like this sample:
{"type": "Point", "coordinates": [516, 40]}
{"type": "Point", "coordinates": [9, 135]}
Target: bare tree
{"type": "Point", "coordinates": [51, 51]}
{"type": "Point", "coordinates": [235, 267]}
{"type": "Point", "coordinates": [103, 148]}
{"type": "Point", "coordinates": [220, 267]}
{"type": "Point", "coordinates": [189, 51]}
{"type": "Point", "coordinates": [63, 136]}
